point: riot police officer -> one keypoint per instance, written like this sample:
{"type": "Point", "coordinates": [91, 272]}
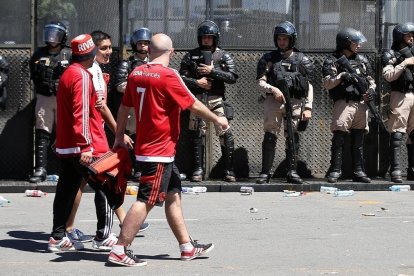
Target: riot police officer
{"type": "Point", "coordinates": [397, 70]}
{"type": "Point", "coordinates": [350, 112]}
{"type": "Point", "coordinates": [4, 70]}
{"type": "Point", "coordinates": [139, 41]}
{"type": "Point", "coordinates": [286, 62]}
{"type": "Point", "coordinates": [46, 66]}
{"type": "Point", "coordinates": [207, 83]}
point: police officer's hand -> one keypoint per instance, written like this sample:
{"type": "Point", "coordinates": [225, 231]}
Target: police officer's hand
{"type": "Point", "coordinates": [306, 114]}
{"type": "Point", "coordinates": [86, 158]}
{"type": "Point", "coordinates": [409, 61]}
{"type": "Point", "coordinates": [369, 95]}
{"type": "Point", "coordinates": [128, 141]}
{"type": "Point", "coordinates": [204, 83]}
{"type": "Point", "coordinates": [345, 76]}
{"type": "Point", "coordinates": [278, 95]}
{"type": "Point", "coordinates": [204, 69]}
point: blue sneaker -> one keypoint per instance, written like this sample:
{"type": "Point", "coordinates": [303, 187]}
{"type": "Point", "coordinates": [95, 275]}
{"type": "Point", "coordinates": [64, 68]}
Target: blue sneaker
{"type": "Point", "coordinates": [144, 227]}
{"type": "Point", "coordinates": [78, 236]}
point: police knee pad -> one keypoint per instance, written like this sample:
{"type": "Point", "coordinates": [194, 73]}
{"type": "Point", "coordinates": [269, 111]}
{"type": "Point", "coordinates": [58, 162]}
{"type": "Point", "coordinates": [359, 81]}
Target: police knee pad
{"type": "Point", "coordinates": [269, 138]}
{"type": "Point", "coordinates": [396, 139]}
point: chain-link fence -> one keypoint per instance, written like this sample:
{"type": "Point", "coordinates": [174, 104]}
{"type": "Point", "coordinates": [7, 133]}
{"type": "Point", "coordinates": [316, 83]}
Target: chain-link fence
{"type": "Point", "coordinates": [246, 32]}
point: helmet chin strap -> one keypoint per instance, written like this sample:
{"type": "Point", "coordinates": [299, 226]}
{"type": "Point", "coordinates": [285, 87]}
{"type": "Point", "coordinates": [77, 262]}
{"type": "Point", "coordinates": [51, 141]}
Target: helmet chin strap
{"type": "Point", "coordinates": [285, 50]}
{"type": "Point", "coordinates": [208, 48]}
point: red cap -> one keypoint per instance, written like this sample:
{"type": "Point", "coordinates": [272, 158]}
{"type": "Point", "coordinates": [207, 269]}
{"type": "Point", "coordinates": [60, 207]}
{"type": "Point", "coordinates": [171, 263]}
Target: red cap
{"type": "Point", "coordinates": [83, 47]}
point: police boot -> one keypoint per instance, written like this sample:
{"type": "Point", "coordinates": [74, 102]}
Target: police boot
{"type": "Point", "coordinates": [395, 148]}
{"type": "Point", "coordinates": [268, 156]}
{"type": "Point", "coordinates": [41, 145]}
{"type": "Point", "coordinates": [292, 176]}
{"type": "Point", "coordinates": [198, 160]}
{"type": "Point", "coordinates": [227, 150]}
{"type": "Point", "coordinates": [357, 136]}
{"type": "Point", "coordinates": [410, 155]}
{"type": "Point", "coordinates": [334, 171]}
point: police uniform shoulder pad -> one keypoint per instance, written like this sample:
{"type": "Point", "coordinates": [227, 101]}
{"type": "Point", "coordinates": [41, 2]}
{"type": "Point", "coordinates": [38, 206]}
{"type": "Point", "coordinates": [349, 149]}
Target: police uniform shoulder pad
{"type": "Point", "coordinates": [305, 63]}
{"type": "Point", "coordinates": [327, 66]}
{"type": "Point", "coordinates": [262, 65]}
{"type": "Point", "coordinates": [229, 61]}
{"type": "Point", "coordinates": [388, 57]}
{"type": "Point", "coordinates": [362, 58]}
{"type": "Point", "coordinates": [4, 64]}
{"type": "Point", "coordinates": [121, 72]}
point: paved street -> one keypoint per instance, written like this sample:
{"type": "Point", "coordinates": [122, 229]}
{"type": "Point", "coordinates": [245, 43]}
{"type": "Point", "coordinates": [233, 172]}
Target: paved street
{"type": "Point", "coordinates": [369, 233]}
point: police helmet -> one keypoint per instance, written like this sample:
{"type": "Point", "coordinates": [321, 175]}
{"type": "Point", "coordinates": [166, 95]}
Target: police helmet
{"type": "Point", "coordinates": [347, 36]}
{"type": "Point", "coordinates": [208, 27]}
{"type": "Point", "coordinates": [400, 30]}
{"type": "Point", "coordinates": [142, 34]}
{"type": "Point", "coordinates": [285, 28]}
{"type": "Point", "coordinates": [55, 32]}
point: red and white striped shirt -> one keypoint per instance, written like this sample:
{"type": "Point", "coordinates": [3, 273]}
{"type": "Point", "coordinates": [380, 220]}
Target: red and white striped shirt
{"type": "Point", "coordinates": [79, 125]}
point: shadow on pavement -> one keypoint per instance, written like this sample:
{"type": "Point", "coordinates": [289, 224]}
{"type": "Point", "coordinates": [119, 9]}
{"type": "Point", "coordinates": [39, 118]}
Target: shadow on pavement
{"type": "Point", "coordinates": [25, 245]}
{"type": "Point", "coordinates": [29, 235]}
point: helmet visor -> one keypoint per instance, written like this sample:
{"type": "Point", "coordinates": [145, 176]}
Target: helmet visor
{"type": "Point", "coordinates": [358, 38]}
{"type": "Point", "coordinates": [53, 35]}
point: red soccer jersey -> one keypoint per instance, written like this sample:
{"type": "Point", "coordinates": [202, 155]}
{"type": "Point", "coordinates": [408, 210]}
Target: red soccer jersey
{"type": "Point", "coordinates": [79, 125]}
{"type": "Point", "coordinates": [158, 96]}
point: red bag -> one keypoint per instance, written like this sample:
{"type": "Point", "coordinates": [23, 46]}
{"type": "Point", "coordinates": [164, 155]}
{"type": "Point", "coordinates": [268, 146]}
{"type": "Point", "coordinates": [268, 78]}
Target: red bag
{"type": "Point", "coordinates": [111, 171]}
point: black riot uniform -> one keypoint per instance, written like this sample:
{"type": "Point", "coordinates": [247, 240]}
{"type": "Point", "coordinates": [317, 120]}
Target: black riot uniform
{"type": "Point", "coordinates": [350, 112]}
{"type": "Point", "coordinates": [398, 72]}
{"type": "Point", "coordinates": [121, 73]}
{"type": "Point", "coordinates": [4, 70]}
{"type": "Point", "coordinates": [224, 72]}
{"type": "Point", "coordinates": [46, 66]}
{"type": "Point", "coordinates": [290, 64]}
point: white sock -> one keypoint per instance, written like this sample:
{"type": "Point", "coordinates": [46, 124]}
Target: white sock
{"type": "Point", "coordinates": [186, 246]}
{"type": "Point", "coordinates": [118, 249]}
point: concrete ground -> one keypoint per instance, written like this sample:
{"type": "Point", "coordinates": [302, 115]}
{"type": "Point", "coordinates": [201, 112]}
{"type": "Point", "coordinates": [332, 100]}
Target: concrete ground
{"type": "Point", "coordinates": [266, 233]}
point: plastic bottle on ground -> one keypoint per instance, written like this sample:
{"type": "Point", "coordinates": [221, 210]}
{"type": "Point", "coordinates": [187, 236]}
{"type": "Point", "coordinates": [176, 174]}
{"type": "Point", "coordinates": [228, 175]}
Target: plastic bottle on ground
{"type": "Point", "coordinates": [328, 190]}
{"type": "Point", "coordinates": [291, 194]}
{"type": "Point", "coordinates": [343, 193]}
{"type": "Point", "coordinates": [3, 201]}
{"type": "Point", "coordinates": [35, 193]}
{"type": "Point", "coordinates": [246, 190]}
{"type": "Point", "coordinates": [199, 189]}
{"type": "Point", "coordinates": [194, 190]}
{"type": "Point", "coordinates": [52, 177]}
{"type": "Point", "coordinates": [187, 190]}
{"type": "Point", "coordinates": [400, 188]}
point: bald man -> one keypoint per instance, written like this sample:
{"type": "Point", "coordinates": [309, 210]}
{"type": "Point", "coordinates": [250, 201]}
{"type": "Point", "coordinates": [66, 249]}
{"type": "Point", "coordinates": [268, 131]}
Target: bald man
{"type": "Point", "coordinates": [158, 95]}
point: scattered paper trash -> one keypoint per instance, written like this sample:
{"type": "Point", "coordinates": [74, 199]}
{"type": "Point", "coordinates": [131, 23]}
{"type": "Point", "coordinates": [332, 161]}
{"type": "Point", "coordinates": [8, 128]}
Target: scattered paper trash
{"type": "Point", "coordinates": [368, 214]}
{"type": "Point", "coordinates": [131, 190]}
{"type": "Point", "coordinates": [254, 210]}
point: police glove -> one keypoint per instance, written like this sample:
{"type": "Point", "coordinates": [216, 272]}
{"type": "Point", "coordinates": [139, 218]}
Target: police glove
{"type": "Point", "coordinates": [370, 94]}
{"type": "Point", "coordinates": [346, 77]}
